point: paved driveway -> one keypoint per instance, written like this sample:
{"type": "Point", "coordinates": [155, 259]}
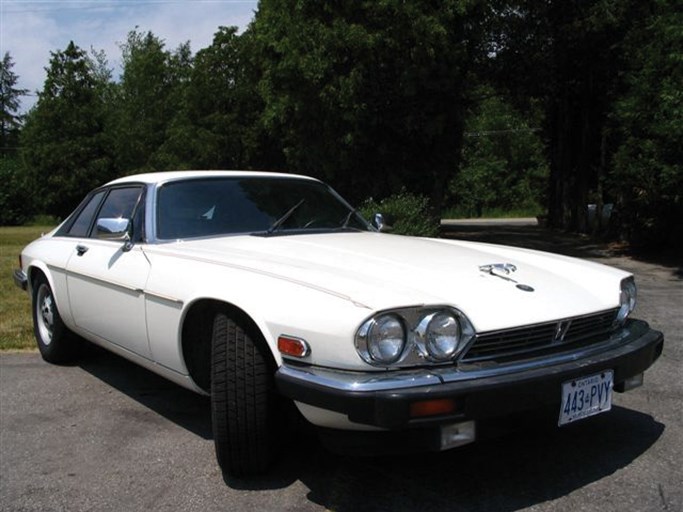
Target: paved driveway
{"type": "Point", "coordinates": [107, 435]}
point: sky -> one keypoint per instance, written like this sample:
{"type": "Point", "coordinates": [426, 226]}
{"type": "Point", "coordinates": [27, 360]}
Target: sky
{"type": "Point", "coordinates": [31, 29]}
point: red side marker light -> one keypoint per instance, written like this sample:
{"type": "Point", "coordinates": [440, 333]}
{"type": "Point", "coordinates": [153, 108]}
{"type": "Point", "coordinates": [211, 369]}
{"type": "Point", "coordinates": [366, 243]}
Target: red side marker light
{"type": "Point", "coordinates": [436, 407]}
{"type": "Point", "coordinates": [290, 346]}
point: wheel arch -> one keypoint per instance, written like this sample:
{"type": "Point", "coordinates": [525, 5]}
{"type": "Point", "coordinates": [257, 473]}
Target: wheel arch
{"type": "Point", "coordinates": [196, 332]}
{"type": "Point", "coordinates": [58, 285]}
{"type": "Point", "coordinates": [36, 269]}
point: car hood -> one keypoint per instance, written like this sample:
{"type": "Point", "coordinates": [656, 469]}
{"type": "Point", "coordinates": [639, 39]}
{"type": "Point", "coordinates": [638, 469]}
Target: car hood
{"type": "Point", "coordinates": [380, 271]}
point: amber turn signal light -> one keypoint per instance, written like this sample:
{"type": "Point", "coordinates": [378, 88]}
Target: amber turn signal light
{"type": "Point", "coordinates": [295, 347]}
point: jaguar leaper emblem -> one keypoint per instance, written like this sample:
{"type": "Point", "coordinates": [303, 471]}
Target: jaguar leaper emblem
{"type": "Point", "coordinates": [503, 270]}
{"type": "Point", "coordinates": [493, 268]}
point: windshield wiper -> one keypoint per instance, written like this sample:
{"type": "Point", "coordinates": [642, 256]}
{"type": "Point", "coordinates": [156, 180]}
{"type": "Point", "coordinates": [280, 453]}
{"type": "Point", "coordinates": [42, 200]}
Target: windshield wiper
{"type": "Point", "coordinates": [276, 225]}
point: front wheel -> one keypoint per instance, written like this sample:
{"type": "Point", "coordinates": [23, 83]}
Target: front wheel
{"type": "Point", "coordinates": [243, 407]}
{"type": "Point", "coordinates": [55, 342]}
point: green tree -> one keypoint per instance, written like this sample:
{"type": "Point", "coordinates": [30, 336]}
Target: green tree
{"type": "Point", "coordinates": [647, 173]}
{"type": "Point", "coordinates": [15, 207]}
{"type": "Point", "coordinates": [10, 94]}
{"type": "Point", "coordinates": [219, 107]}
{"type": "Point", "coordinates": [569, 54]}
{"type": "Point", "coordinates": [64, 145]}
{"type": "Point", "coordinates": [149, 97]}
{"type": "Point", "coordinates": [369, 95]}
{"type": "Point", "coordinates": [503, 163]}
{"type": "Point", "coordinates": [15, 197]}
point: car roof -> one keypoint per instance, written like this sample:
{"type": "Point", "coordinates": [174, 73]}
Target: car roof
{"type": "Point", "coordinates": [162, 177]}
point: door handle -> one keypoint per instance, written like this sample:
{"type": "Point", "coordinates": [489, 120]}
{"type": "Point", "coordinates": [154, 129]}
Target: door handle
{"type": "Point", "coordinates": [81, 249]}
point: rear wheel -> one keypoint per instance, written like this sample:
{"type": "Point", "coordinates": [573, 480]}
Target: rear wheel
{"type": "Point", "coordinates": [242, 399]}
{"type": "Point", "coordinates": [56, 343]}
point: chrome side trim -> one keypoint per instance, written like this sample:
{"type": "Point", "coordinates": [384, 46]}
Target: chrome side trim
{"type": "Point", "coordinates": [116, 284]}
{"type": "Point", "coordinates": [105, 281]}
{"type": "Point", "coordinates": [346, 380]}
{"type": "Point", "coordinates": [55, 268]}
{"type": "Point", "coordinates": [165, 298]}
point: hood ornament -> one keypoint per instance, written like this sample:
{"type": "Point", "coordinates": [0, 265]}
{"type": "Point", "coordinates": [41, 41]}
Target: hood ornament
{"type": "Point", "coordinates": [503, 270]}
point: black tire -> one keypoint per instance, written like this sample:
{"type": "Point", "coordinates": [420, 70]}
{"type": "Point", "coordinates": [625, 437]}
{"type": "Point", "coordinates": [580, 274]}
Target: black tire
{"type": "Point", "coordinates": [243, 409]}
{"type": "Point", "coordinates": [56, 343]}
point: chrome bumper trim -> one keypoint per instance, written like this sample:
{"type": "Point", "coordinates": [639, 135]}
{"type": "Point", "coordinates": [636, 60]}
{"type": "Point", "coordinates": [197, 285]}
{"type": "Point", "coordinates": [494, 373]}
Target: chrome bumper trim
{"type": "Point", "coordinates": [358, 381]}
{"type": "Point", "coordinates": [21, 279]}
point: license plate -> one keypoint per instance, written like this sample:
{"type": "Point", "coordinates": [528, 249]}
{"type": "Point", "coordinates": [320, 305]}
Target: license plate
{"type": "Point", "coordinates": [586, 397]}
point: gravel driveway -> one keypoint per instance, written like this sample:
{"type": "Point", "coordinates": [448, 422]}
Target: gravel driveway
{"type": "Point", "coordinates": [107, 435]}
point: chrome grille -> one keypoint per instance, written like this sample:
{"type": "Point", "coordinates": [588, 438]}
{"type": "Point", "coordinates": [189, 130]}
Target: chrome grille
{"type": "Point", "coordinates": [557, 336]}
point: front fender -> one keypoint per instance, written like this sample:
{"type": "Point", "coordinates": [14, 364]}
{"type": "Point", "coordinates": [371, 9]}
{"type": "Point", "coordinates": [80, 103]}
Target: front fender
{"type": "Point", "coordinates": [276, 305]}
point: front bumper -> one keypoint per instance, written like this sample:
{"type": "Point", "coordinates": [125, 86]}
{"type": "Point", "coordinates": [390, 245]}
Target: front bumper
{"type": "Point", "coordinates": [20, 279]}
{"type": "Point", "coordinates": [383, 399]}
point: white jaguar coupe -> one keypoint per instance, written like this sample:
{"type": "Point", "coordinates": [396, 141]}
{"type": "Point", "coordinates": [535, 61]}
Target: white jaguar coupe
{"type": "Point", "coordinates": [271, 294]}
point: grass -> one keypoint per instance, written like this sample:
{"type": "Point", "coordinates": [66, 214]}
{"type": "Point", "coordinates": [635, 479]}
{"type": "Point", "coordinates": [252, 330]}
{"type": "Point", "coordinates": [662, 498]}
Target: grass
{"type": "Point", "coordinates": [16, 330]}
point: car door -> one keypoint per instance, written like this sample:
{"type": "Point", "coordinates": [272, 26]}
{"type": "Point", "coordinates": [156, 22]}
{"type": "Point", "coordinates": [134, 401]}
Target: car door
{"type": "Point", "coordinates": [106, 278]}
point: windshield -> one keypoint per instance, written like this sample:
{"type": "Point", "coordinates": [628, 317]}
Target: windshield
{"type": "Point", "coordinates": [224, 206]}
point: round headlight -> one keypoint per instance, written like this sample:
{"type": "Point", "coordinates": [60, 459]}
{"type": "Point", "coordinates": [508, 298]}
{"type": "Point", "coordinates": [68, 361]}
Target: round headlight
{"type": "Point", "coordinates": [386, 339]}
{"type": "Point", "coordinates": [627, 299]}
{"type": "Point", "coordinates": [442, 336]}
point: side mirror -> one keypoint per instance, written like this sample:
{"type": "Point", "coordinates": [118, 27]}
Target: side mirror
{"type": "Point", "coordinates": [113, 229]}
{"type": "Point", "coordinates": [380, 223]}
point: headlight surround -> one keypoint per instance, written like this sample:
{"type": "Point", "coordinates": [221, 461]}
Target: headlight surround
{"type": "Point", "coordinates": [414, 336]}
{"type": "Point", "coordinates": [627, 299]}
{"type": "Point", "coordinates": [383, 339]}
{"type": "Point", "coordinates": [439, 335]}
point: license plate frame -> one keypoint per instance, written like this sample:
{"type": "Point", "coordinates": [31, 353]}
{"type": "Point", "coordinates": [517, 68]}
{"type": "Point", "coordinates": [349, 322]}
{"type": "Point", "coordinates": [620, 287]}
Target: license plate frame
{"type": "Point", "coordinates": [587, 396]}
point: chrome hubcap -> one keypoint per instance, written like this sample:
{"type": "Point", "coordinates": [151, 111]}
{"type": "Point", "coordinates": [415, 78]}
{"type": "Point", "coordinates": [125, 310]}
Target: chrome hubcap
{"type": "Point", "coordinates": [46, 313]}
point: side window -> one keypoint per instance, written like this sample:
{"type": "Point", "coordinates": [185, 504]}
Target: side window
{"type": "Point", "coordinates": [120, 203]}
{"type": "Point", "coordinates": [81, 225]}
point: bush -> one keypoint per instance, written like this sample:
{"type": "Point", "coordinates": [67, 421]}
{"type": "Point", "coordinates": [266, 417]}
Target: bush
{"type": "Point", "coordinates": [406, 213]}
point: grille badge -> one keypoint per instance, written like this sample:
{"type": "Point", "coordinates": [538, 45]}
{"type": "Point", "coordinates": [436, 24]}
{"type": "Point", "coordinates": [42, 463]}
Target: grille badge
{"type": "Point", "coordinates": [561, 330]}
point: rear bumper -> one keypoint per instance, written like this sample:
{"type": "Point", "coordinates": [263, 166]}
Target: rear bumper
{"type": "Point", "coordinates": [384, 399]}
{"type": "Point", "coordinates": [20, 279]}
